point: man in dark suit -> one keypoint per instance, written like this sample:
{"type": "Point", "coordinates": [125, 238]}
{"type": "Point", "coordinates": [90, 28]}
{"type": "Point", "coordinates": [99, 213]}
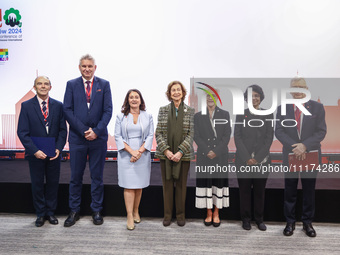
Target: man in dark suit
{"type": "Point", "coordinates": [306, 136]}
{"type": "Point", "coordinates": [43, 117]}
{"type": "Point", "coordinates": [88, 110]}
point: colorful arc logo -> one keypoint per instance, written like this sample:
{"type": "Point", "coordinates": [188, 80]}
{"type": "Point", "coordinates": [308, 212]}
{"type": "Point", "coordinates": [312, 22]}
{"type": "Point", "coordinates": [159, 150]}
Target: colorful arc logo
{"type": "Point", "coordinates": [208, 92]}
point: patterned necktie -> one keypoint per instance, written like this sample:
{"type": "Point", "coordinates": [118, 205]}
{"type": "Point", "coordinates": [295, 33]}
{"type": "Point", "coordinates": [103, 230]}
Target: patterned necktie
{"type": "Point", "coordinates": [88, 90]}
{"type": "Point", "coordinates": [44, 108]}
{"type": "Point", "coordinates": [45, 112]}
{"type": "Point", "coordinates": [298, 118]}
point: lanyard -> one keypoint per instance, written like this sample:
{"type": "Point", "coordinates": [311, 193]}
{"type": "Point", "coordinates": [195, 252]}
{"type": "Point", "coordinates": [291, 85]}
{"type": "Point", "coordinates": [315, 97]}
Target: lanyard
{"type": "Point", "coordinates": [45, 113]}
{"type": "Point", "coordinates": [88, 93]}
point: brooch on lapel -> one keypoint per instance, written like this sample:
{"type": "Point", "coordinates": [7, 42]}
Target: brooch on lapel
{"type": "Point", "coordinates": [98, 90]}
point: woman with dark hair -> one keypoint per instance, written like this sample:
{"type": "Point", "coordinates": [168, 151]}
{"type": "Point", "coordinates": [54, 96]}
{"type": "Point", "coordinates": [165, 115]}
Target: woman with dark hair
{"type": "Point", "coordinates": [174, 136]}
{"type": "Point", "coordinates": [133, 134]}
{"type": "Point", "coordinates": [253, 141]}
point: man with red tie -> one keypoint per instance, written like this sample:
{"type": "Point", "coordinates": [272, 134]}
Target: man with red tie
{"type": "Point", "coordinates": [42, 120]}
{"type": "Point", "coordinates": [300, 139]}
{"type": "Point", "coordinates": [88, 110]}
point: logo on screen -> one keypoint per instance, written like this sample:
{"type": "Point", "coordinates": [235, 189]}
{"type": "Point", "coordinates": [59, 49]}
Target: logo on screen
{"type": "Point", "coordinates": [3, 54]}
{"type": "Point", "coordinates": [209, 93]}
{"type": "Point", "coordinates": [12, 18]}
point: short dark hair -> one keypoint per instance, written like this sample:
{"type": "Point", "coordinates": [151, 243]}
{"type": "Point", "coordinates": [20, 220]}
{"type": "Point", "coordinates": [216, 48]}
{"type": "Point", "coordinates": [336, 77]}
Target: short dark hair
{"type": "Point", "coordinates": [255, 88]}
{"type": "Point", "coordinates": [168, 91]}
{"type": "Point", "coordinates": [126, 105]}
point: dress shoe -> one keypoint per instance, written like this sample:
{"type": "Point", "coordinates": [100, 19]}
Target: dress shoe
{"type": "Point", "coordinates": [181, 222]}
{"type": "Point", "coordinates": [308, 228]}
{"type": "Point", "coordinates": [289, 229]}
{"type": "Point", "coordinates": [137, 220]}
{"type": "Point", "coordinates": [52, 219]}
{"type": "Point", "coordinates": [208, 223]}
{"type": "Point", "coordinates": [166, 222]}
{"type": "Point", "coordinates": [71, 219]}
{"type": "Point", "coordinates": [246, 225]}
{"type": "Point", "coordinates": [216, 224]}
{"type": "Point", "coordinates": [40, 221]}
{"type": "Point", "coordinates": [130, 227]}
{"type": "Point", "coordinates": [97, 218]}
{"type": "Point", "coordinates": [261, 226]}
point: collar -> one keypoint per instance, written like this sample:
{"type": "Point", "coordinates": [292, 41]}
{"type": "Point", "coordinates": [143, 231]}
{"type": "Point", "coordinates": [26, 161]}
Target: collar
{"type": "Point", "coordinates": [40, 100]}
{"type": "Point", "coordinates": [84, 80]}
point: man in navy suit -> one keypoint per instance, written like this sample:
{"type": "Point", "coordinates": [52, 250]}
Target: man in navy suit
{"type": "Point", "coordinates": [300, 139]}
{"type": "Point", "coordinates": [43, 117]}
{"type": "Point", "coordinates": [88, 110]}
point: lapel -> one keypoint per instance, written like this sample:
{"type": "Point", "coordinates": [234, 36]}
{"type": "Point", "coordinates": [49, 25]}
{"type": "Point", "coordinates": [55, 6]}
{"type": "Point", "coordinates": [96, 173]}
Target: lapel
{"type": "Point", "coordinates": [304, 123]}
{"type": "Point", "coordinates": [144, 120]}
{"type": "Point", "coordinates": [206, 120]}
{"type": "Point", "coordinates": [51, 109]}
{"type": "Point", "coordinates": [166, 113]}
{"type": "Point", "coordinates": [291, 115]}
{"type": "Point", "coordinates": [37, 109]}
{"type": "Point", "coordinates": [80, 87]}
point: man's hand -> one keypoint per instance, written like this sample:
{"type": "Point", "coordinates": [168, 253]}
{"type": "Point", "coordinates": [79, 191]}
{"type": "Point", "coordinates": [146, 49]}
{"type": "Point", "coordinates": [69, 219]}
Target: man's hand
{"type": "Point", "coordinates": [299, 150]}
{"type": "Point", "coordinates": [302, 157]}
{"type": "Point", "coordinates": [251, 161]}
{"type": "Point", "coordinates": [90, 135]}
{"type": "Point", "coordinates": [40, 155]}
{"type": "Point", "coordinates": [57, 152]}
{"type": "Point", "coordinates": [211, 155]}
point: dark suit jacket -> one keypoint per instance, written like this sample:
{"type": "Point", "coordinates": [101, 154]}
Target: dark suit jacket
{"type": "Point", "coordinates": [312, 133]}
{"type": "Point", "coordinates": [205, 138]}
{"type": "Point", "coordinates": [252, 139]}
{"type": "Point", "coordinates": [31, 123]}
{"type": "Point", "coordinates": [80, 117]}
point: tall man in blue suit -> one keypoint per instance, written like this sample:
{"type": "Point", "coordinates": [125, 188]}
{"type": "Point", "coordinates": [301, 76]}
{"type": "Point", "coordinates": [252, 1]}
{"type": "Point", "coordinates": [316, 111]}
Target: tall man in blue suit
{"type": "Point", "coordinates": [88, 110]}
{"type": "Point", "coordinates": [300, 139]}
{"type": "Point", "coordinates": [43, 118]}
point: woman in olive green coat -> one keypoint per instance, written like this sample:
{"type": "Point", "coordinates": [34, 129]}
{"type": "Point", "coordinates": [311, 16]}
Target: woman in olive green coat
{"type": "Point", "coordinates": [174, 136]}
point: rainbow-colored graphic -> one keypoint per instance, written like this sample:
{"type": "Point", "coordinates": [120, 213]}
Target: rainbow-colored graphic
{"type": "Point", "coordinates": [208, 92]}
{"type": "Point", "coordinates": [3, 54]}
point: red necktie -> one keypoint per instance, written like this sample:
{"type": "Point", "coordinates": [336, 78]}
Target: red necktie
{"type": "Point", "coordinates": [88, 90]}
{"type": "Point", "coordinates": [298, 118]}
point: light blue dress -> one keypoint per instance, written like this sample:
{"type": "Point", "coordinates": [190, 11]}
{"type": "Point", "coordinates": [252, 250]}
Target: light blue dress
{"type": "Point", "coordinates": [134, 175]}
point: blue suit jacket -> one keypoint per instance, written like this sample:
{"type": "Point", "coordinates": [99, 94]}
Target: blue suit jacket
{"type": "Point", "coordinates": [80, 117]}
{"type": "Point", "coordinates": [312, 133]}
{"type": "Point", "coordinates": [31, 123]}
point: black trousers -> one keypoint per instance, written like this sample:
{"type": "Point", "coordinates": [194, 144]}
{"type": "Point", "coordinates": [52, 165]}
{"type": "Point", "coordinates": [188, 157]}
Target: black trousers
{"type": "Point", "coordinates": [308, 181]}
{"type": "Point", "coordinates": [246, 185]}
{"type": "Point", "coordinates": [44, 196]}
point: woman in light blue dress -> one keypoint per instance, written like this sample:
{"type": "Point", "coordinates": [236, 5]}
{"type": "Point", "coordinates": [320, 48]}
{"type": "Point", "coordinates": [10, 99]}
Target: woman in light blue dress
{"type": "Point", "coordinates": [134, 135]}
